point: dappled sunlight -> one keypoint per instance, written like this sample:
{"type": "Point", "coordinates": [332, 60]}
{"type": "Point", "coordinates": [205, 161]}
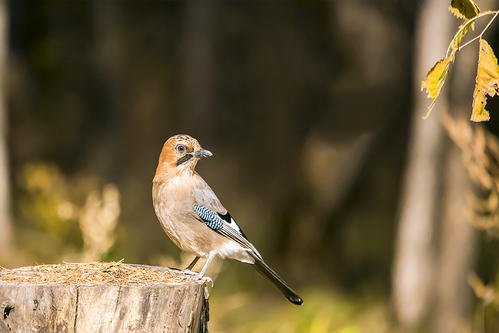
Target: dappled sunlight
{"type": "Point", "coordinates": [98, 219]}
{"type": "Point", "coordinates": [76, 210]}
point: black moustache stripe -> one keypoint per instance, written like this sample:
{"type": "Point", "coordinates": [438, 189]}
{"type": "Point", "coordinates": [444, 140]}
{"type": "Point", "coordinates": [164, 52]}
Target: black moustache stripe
{"type": "Point", "coordinates": [184, 159]}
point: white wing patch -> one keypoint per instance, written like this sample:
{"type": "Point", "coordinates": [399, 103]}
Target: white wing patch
{"type": "Point", "coordinates": [234, 225]}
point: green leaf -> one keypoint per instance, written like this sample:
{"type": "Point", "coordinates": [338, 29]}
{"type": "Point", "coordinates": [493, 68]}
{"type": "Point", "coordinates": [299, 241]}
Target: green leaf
{"type": "Point", "coordinates": [487, 80]}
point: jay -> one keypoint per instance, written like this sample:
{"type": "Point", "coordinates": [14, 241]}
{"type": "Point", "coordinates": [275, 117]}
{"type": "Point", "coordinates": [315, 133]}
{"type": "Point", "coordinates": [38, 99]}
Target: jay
{"type": "Point", "coordinates": [194, 218]}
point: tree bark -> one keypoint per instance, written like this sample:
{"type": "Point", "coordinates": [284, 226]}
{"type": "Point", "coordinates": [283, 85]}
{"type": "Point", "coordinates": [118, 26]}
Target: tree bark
{"type": "Point", "coordinates": [453, 294]}
{"type": "Point", "coordinates": [147, 306]}
{"type": "Point", "coordinates": [414, 265]}
{"type": "Point", "coordinates": [456, 252]}
{"type": "Point", "coordinates": [198, 66]}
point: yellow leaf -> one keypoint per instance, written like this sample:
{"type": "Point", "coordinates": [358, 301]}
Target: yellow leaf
{"type": "Point", "coordinates": [435, 78]}
{"type": "Point", "coordinates": [487, 80]}
{"type": "Point", "coordinates": [464, 9]}
{"type": "Point", "coordinates": [479, 113]}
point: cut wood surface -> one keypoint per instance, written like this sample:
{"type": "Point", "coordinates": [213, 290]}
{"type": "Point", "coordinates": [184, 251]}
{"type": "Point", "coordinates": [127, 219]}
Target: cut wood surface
{"type": "Point", "coordinates": [101, 297]}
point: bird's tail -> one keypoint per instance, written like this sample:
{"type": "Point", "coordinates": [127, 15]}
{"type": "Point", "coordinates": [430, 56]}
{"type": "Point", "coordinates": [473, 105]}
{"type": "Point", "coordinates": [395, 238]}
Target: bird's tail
{"type": "Point", "coordinates": [270, 274]}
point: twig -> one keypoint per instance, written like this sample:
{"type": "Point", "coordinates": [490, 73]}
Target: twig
{"type": "Point", "coordinates": [469, 22]}
{"type": "Point", "coordinates": [481, 34]}
{"type": "Point", "coordinates": [113, 264]}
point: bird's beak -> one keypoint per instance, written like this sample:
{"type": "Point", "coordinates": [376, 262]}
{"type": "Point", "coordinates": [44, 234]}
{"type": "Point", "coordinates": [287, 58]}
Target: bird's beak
{"type": "Point", "coordinates": [202, 153]}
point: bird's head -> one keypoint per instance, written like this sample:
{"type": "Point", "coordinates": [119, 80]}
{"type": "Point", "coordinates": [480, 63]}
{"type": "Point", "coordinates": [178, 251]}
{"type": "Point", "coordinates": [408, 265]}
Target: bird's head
{"type": "Point", "coordinates": [180, 155]}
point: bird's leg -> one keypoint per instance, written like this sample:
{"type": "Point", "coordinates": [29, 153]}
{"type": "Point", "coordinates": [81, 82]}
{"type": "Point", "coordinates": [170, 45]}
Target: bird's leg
{"type": "Point", "coordinates": [200, 275]}
{"type": "Point", "coordinates": [192, 264]}
{"type": "Point", "coordinates": [206, 264]}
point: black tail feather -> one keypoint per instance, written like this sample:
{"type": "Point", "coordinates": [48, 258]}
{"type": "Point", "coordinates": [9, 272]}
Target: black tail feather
{"type": "Point", "coordinates": [270, 274]}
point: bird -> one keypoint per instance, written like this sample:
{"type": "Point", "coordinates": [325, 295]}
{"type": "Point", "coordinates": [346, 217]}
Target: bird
{"type": "Point", "coordinates": [193, 217]}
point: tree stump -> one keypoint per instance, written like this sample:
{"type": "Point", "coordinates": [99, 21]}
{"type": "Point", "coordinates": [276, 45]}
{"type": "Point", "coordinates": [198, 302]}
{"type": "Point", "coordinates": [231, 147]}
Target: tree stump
{"type": "Point", "coordinates": [101, 297]}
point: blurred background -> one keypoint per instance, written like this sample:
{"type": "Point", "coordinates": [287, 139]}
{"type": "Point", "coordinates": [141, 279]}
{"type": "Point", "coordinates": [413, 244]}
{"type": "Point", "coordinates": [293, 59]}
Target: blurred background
{"type": "Point", "coordinates": [313, 112]}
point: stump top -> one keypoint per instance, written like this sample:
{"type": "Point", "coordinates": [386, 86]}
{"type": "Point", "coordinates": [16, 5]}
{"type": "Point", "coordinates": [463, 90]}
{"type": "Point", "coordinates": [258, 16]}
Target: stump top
{"type": "Point", "coordinates": [93, 274]}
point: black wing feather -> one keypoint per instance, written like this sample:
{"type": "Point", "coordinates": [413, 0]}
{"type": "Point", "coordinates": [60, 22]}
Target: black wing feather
{"type": "Point", "coordinates": [228, 218]}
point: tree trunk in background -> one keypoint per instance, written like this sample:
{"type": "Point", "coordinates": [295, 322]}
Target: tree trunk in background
{"type": "Point", "coordinates": [456, 249]}
{"type": "Point", "coordinates": [452, 311]}
{"type": "Point", "coordinates": [414, 265]}
{"type": "Point", "coordinates": [198, 66]}
{"type": "Point", "coordinates": [5, 223]}
{"type": "Point", "coordinates": [108, 59]}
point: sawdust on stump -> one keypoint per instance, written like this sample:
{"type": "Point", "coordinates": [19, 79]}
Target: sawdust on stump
{"type": "Point", "coordinates": [93, 274]}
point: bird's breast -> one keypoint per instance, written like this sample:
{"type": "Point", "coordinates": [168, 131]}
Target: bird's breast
{"type": "Point", "coordinates": [170, 204]}
{"type": "Point", "coordinates": [173, 203]}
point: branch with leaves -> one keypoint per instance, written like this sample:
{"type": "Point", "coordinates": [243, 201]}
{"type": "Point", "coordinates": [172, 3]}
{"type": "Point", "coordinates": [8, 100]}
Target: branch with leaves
{"type": "Point", "coordinates": [487, 78]}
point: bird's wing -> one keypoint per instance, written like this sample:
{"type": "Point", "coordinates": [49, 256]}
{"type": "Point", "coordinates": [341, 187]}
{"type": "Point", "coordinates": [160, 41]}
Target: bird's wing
{"type": "Point", "coordinates": [210, 210]}
{"type": "Point", "coordinates": [218, 223]}
{"type": "Point", "coordinates": [203, 195]}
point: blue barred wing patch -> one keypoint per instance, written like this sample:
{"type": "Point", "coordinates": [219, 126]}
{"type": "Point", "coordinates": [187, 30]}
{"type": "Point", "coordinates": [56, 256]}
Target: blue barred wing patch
{"type": "Point", "coordinates": [209, 217]}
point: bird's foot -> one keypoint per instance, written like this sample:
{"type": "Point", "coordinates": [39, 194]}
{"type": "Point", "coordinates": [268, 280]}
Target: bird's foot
{"type": "Point", "coordinates": [189, 272]}
{"type": "Point", "coordinates": [205, 279]}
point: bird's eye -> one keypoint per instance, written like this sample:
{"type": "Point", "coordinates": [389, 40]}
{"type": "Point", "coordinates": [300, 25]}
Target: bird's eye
{"type": "Point", "coordinates": [181, 148]}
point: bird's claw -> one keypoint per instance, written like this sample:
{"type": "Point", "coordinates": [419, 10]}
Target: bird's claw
{"type": "Point", "coordinates": [205, 280]}
{"type": "Point", "coordinates": [199, 276]}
